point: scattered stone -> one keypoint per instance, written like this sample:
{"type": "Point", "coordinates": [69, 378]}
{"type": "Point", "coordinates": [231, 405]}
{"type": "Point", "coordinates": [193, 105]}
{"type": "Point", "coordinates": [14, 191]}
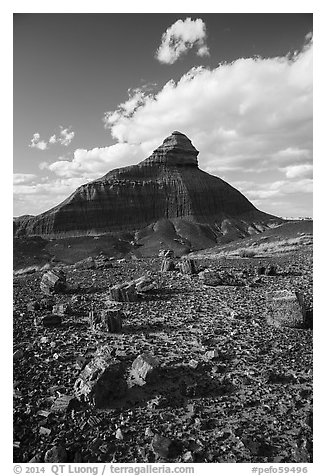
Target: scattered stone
{"type": "Point", "coordinates": [56, 454]}
{"type": "Point", "coordinates": [167, 265]}
{"type": "Point", "coordinates": [143, 367]}
{"type": "Point", "coordinates": [47, 304]}
{"type": "Point", "coordinates": [144, 284]}
{"type": "Point", "coordinates": [43, 413]}
{"type": "Point", "coordinates": [111, 320]}
{"type": "Point", "coordinates": [212, 354]}
{"type": "Point", "coordinates": [287, 309]}
{"type": "Point", "coordinates": [53, 281]}
{"type": "Point", "coordinates": [62, 404]}
{"type": "Point", "coordinates": [193, 363]}
{"type": "Point", "coordinates": [166, 254]}
{"type": "Point", "coordinates": [187, 457]}
{"type": "Point", "coordinates": [18, 354]}
{"type": "Point", "coordinates": [48, 320]}
{"type": "Point", "coordinates": [45, 431]}
{"type": "Point", "coordinates": [125, 292]}
{"type": "Point", "coordinates": [61, 309]}
{"type": "Point", "coordinates": [101, 380]}
{"type": "Point", "coordinates": [118, 434]}
{"type": "Point", "coordinates": [33, 306]}
{"type": "Point", "coordinates": [148, 432]}
{"type": "Point", "coordinates": [187, 266]}
{"type": "Point", "coordinates": [164, 447]}
{"type": "Point", "coordinates": [271, 270]}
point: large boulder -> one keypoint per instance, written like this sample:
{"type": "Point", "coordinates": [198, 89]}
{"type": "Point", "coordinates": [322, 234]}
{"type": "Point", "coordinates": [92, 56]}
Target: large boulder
{"type": "Point", "coordinates": [101, 380]}
{"type": "Point", "coordinates": [144, 369]}
{"type": "Point", "coordinates": [53, 281]}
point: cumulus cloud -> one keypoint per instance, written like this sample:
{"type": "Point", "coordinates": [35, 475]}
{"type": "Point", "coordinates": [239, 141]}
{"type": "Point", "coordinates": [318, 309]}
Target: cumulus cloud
{"type": "Point", "coordinates": [37, 143]}
{"type": "Point", "coordinates": [180, 37]}
{"type": "Point", "coordinates": [65, 137]}
{"type": "Point", "coordinates": [37, 197]}
{"type": "Point", "coordinates": [253, 113]}
{"type": "Point", "coordinates": [90, 164]}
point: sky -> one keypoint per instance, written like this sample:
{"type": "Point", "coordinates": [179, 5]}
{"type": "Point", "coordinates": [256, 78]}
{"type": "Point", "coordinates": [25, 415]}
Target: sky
{"type": "Point", "coordinates": [93, 92]}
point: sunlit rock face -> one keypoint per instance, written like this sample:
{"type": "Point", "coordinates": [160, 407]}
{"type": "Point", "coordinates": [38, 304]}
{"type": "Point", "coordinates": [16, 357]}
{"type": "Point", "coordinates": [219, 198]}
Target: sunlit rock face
{"type": "Point", "coordinates": [168, 185]}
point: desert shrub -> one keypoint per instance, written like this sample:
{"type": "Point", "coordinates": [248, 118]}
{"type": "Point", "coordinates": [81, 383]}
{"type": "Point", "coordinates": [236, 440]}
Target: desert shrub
{"type": "Point", "coordinates": [247, 253]}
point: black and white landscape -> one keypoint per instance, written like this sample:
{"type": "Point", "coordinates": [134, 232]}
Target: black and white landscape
{"type": "Point", "coordinates": [163, 249]}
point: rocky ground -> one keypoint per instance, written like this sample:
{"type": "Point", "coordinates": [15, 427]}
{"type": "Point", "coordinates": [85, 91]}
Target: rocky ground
{"type": "Point", "coordinates": [230, 388]}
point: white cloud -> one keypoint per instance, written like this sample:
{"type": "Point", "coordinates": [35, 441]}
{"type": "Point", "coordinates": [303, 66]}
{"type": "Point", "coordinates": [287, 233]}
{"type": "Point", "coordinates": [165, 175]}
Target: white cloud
{"type": "Point", "coordinates": [280, 188]}
{"type": "Point", "coordinates": [252, 114]}
{"type": "Point", "coordinates": [23, 178]}
{"type": "Point", "coordinates": [67, 136]}
{"type": "Point", "coordinates": [180, 37]}
{"type": "Point", "coordinates": [37, 143]}
{"type": "Point", "coordinates": [90, 164]}
{"type": "Point", "coordinates": [298, 171]}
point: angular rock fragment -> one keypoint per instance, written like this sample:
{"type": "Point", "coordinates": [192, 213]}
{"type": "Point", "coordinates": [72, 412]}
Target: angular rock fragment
{"type": "Point", "coordinates": [33, 306]}
{"type": "Point", "coordinates": [165, 447]}
{"type": "Point", "coordinates": [142, 370]}
{"type": "Point", "coordinates": [53, 281]}
{"type": "Point", "coordinates": [212, 354]}
{"type": "Point", "coordinates": [287, 309]}
{"type": "Point", "coordinates": [47, 303]}
{"type": "Point", "coordinates": [48, 320]}
{"type": "Point", "coordinates": [187, 266]}
{"type": "Point", "coordinates": [111, 320]}
{"type": "Point", "coordinates": [271, 270]}
{"type": "Point", "coordinates": [101, 380]}
{"type": "Point", "coordinates": [167, 265]}
{"type": "Point", "coordinates": [62, 404]}
{"type": "Point", "coordinates": [56, 454]}
{"type": "Point", "coordinates": [128, 292]}
{"type": "Point", "coordinates": [166, 254]}
{"type": "Point", "coordinates": [125, 292]}
{"type": "Point", "coordinates": [44, 431]}
{"type": "Point", "coordinates": [260, 270]}
{"type": "Point", "coordinates": [18, 354]}
{"type": "Point", "coordinates": [61, 309]}
{"type": "Point", "coordinates": [144, 284]}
